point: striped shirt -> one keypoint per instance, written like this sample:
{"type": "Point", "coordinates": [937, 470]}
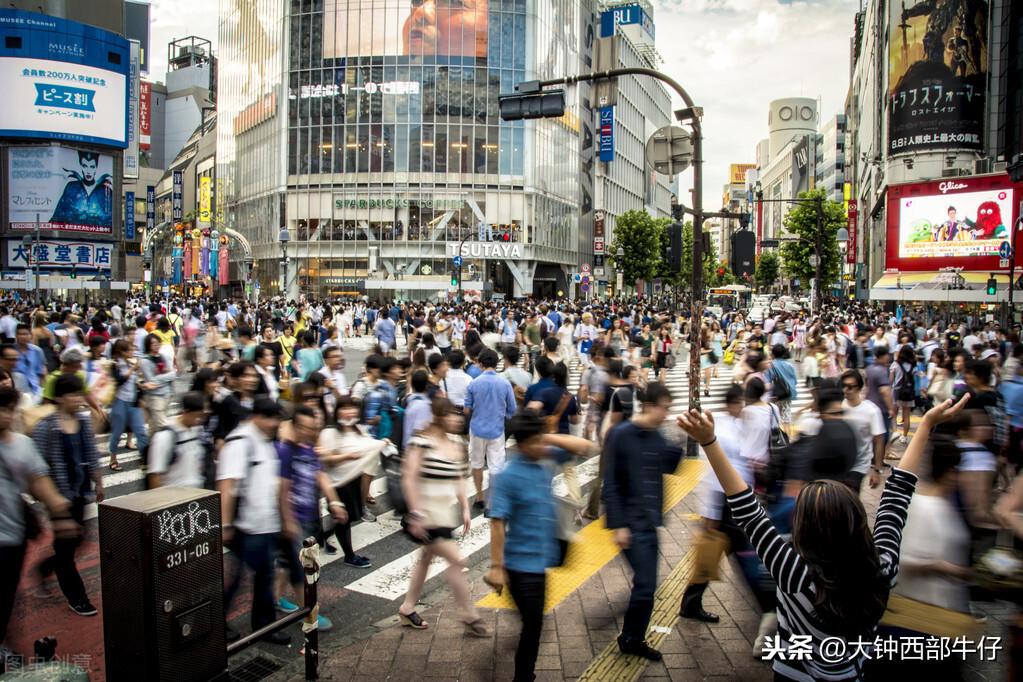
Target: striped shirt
{"type": "Point", "coordinates": [797, 619]}
{"type": "Point", "coordinates": [435, 465]}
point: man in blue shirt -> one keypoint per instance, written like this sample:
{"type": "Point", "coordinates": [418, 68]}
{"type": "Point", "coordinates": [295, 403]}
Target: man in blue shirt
{"type": "Point", "coordinates": [385, 332]}
{"type": "Point", "coordinates": [637, 458]}
{"type": "Point", "coordinates": [489, 400]}
{"type": "Point", "coordinates": [1012, 395]}
{"type": "Point", "coordinates": [524, 527]}
{"type": "Point", "coordinates": [31, 361]}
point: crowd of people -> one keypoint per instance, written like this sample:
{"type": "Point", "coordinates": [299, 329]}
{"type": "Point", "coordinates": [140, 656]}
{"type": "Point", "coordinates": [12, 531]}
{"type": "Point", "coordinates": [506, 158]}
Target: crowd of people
{"type": "Point", "coordinates": [467, 409]}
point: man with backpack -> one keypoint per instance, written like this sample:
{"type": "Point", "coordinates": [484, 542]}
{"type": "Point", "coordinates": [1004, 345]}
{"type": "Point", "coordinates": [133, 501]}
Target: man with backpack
{"type": "Point", "coordinates": [177, 454]}
{"type": "Point", "coordinates": [782, 379]}
{"type": "Point", "coordinates": [380, 409]}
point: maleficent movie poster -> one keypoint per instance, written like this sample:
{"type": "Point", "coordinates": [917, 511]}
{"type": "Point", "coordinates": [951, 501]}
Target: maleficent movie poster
{"type": "Point", "coordinates": [938, 62]}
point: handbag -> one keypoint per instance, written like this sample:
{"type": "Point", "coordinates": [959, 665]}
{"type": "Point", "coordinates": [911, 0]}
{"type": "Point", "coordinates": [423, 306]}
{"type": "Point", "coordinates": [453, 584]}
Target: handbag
{"type": "Point", "coordinates": [669, 361]}
{"type": "Point", "coordinates": [710, 546]}
{"type": "Point", "coordinates": [713, 358]}
{"type": "Point", "coordinates": [729, 357]}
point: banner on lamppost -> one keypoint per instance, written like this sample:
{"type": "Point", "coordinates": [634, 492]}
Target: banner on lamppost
{"type": "Point", "coordinates": [850, 248]}
{"type": "Point", "coordinates": [205, 203]}
{"type": "Point", "coordinates": [150, 209]}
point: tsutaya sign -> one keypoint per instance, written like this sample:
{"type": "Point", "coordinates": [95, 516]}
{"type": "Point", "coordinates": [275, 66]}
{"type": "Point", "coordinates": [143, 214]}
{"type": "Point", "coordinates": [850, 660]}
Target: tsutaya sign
{"type": "Point", "coordinates": [486, 250]}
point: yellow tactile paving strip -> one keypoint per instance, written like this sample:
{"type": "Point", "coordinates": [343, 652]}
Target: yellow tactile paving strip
{"type": "Point", "coordinates": [594, 545]}
{"type": "Point", "coordinates": [609, 664]}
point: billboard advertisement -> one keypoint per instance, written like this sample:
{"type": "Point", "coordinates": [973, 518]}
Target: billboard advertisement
{"type": "Point", "coordinates": [954, 222]}
{"type": "Point", "coordinates": [70, 189]}
{"type": "Point", "coordinates": [62, 80]}
{"type": "Point", "coordinates": [737, 172]}
{"type": "Point", "coordinates": [355, 28]}
{"type": "Point", "coordinates": [131, 153]}
{"type": "Point", "coordinates": [205, 199]}
{"type": "Point", "coordinates": [937, 75]}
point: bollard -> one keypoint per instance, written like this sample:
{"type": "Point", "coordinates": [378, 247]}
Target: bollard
{"type": "Point", "coordinates": [310, 558]}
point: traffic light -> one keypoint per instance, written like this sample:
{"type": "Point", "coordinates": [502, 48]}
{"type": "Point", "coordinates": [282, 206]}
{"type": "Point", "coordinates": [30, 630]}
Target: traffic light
{"type": "Point", "coordinates": [455, 276]}
{"type": "Point", "coordinates": [530, 101]}
{"type": "Point", "coordinates": [721, 272]}
{"type": "Point", "coordinates": [74, 271]}
{"type": "Point", "coordinates": [992, 286]}
{"type": "Point", "coordinates": [673, 254]}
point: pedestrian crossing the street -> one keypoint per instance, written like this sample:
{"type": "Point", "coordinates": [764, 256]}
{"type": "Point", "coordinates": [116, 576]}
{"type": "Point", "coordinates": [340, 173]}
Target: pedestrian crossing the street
{"type": "Point", "coordinates": [383, 541]}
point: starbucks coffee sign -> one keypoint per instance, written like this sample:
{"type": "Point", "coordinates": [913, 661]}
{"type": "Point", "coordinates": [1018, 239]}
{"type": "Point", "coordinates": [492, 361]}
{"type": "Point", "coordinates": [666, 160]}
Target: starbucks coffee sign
{"type": "Point", "coordinates": [397, 202]}
{"type": "Point", "coordinates": [489, 250]}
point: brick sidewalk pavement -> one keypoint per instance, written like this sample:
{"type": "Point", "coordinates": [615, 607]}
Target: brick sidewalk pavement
{"type": "Point", "coordinates": [578, 637]}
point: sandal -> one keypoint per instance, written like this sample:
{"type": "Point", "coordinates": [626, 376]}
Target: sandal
{"type": "Point", "coordinates": [412, 620]}
{"type": "Point", "coordinates": [115, 466]}
{"type": "Point", "coordinates": [476, 628]}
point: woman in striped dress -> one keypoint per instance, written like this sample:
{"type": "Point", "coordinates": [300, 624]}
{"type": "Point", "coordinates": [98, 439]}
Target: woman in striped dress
{"type": "Point", "coordinates": [835, 575]}
{"type": "Point", "coordinates": [433, 472]}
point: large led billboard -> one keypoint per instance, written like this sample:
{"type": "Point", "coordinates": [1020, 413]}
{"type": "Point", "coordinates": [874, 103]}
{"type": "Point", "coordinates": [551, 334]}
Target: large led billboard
{"type": "Point", "coordinates": [62, 80]}
{"type": "Point", "coordinates": [69, 189]}
{"type": "Point", "coordinates": [414, 28]}
{"type": "Point", "coordinates": [953, 222]}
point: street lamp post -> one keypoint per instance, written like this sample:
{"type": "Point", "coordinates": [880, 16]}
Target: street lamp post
{"type": "Point", "coordinates": [619, 270]}
{"type": "Point", "coordinates": [284, 237]}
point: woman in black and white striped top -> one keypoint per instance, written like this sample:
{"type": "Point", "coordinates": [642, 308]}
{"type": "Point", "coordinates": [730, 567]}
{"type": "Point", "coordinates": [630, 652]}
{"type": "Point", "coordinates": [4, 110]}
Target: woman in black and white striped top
{"type": "Point", "coordinates": [834, 577]}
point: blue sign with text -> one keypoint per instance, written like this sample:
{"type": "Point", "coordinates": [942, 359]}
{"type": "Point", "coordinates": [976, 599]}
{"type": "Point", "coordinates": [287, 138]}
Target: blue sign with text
{"type": "Point", "coordinates": [624, 16]}
{"type": "Point", "coordinates": [129, 216]}
{"type": "Point", "coordinates": [606, 130]}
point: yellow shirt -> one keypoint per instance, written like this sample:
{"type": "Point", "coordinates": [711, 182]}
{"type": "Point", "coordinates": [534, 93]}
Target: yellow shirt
{"type": "Point", "coordinates": [287, 347]}
{"type": "Point", "coordinates": [165, 337]}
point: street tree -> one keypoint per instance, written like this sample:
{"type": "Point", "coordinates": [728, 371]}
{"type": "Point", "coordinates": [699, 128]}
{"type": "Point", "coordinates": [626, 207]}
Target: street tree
{"type": "Point", "coordinates": [638, 234]}
{"type": "Point", "coordinates": [802, 222]}
{"type": "Point", "coordinates": [768, 268]}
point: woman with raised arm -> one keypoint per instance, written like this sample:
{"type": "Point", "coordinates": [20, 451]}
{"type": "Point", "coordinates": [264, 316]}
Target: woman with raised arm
{"type": "Point", "coordinates": [834, 576]}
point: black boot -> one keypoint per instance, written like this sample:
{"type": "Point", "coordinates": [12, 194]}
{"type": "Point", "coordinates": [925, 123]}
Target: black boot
{"type": "Point", "coordinates": [692, 604]}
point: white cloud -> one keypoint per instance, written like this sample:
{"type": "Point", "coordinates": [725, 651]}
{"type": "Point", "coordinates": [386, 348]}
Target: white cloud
{"type": "Point", "coordinates": [735, 56]}
{"type": "Point", "coordinates": [174, 19]}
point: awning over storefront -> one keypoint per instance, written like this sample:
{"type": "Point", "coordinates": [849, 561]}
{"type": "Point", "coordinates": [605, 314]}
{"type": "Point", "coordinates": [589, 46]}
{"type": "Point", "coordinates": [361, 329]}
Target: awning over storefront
{"type": "Point", "coordinates": [939, 287]}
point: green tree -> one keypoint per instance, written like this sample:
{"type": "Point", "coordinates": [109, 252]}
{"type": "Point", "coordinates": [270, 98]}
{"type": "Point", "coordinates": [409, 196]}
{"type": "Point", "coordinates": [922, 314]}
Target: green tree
{"type": "Point", "coordinates": [638, 234]}
{"type": "Point", "coordinates": [726, 277]}
{"type": "Point", "coordinates": [802, 221]}
{"type": "Point", "coordinates": [768, 268]}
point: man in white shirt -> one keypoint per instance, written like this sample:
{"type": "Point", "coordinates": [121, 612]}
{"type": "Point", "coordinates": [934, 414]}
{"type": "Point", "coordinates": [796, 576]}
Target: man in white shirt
{"type": "Point", "coordinates": [333, 370]}
{"type": "Point", "coordinates": [456, 381]}
{"type": "Point", "coordinates": [251, 500]}
{"type": "Point", "coordinates": [177, 456]}
{"type": "Point", "coordinates": [8, 324]}
{"type": "Point", "coordinates": [867, 423]}
{"type": "Point", "coordinates": [969, 341]}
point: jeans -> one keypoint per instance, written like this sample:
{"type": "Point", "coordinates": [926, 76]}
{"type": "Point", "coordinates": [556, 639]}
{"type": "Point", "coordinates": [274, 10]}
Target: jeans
{"type": "Point", "coordinates": [11, 560]}
{"type": "Point", "coordinates": [63, 560]}
{"type": "Point", "coordinates": [123, 414]}
{"type": "Point", "coordinates": [257, 553]}
{"type": "Point", "coordinates": [642, 557]}
{"type": "Point", "coordinates": [529, 592]}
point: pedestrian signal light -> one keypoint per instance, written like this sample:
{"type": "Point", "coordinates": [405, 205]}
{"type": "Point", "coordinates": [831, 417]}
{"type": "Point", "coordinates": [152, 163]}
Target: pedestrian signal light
{"type": "Point", "coordinates": [992, 286]}
{"type": "Point", "coordinates": [74, 272]}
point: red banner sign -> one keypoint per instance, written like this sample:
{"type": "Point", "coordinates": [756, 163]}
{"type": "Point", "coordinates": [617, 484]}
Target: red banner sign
{"type": "Point", "coordinates": [145, 97]}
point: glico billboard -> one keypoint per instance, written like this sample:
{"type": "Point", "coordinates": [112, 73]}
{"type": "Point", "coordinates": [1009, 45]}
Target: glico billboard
{"type": "Point", "coordinates": [62, 80]}
{"type": "Point", "coordinates": [962, 222]}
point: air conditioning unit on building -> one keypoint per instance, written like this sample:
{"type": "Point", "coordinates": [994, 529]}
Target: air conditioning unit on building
{"type": "Point", "coordinates": [982, 166]}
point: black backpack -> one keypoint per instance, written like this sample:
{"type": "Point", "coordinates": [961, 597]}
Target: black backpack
{"type": "Point", "coordinates": [905, 390]}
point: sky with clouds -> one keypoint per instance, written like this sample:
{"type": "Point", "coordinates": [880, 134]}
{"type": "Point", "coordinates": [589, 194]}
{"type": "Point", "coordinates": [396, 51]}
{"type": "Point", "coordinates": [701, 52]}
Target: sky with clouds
{"type": "Point", "coordinates": [732, 56]}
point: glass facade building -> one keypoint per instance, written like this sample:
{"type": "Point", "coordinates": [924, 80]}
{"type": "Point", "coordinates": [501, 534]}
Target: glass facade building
{"type": "Point", "coordinates": [370, 130]}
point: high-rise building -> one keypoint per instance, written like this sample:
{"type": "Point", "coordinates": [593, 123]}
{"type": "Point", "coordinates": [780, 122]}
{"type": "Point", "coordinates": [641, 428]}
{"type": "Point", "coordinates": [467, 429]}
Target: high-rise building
{"type": "Point", "coordinates": [369, 131]}
{"type": "Point", "coordinates": [931, 205]}
{"type": "Point", "coordinates": [64, 148]}
{"type": "Point", "coordinates": [788, 168]}
{"type": "Point", "coordinates": [830, 158]}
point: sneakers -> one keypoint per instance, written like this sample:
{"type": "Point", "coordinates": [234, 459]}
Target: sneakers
{"type": "Point", "coordinates": [286, 606]}
{"type": "Point", "coordinates": [323, 623]}
{"type": "Point", "coordinates": [358, 561]}
{"type": "Point", "coordinates": [329, 549]}
{"type": "Point", "coordinates": [83, 608]}
{"type": "Point", "coordinates": [768, 625]}
{"type": "Point", "coordinates": [368, 516]}
{"type": "Point", "coordinates": [479, 506]}
{"type": "Point", "coordinates": [638, 648]}
{"type": "Point", "coordinates": [903, 440]}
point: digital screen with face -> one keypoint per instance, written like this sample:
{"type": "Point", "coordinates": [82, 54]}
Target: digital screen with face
{"type": "Point", "coordinates": [955, 225]}
{"type": "Point", "coordinates": [413, 28]}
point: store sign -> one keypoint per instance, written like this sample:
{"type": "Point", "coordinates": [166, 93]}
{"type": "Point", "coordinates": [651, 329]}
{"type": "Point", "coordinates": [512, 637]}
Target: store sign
{"type": "Point", "coordinates": [129, 216]}
{"type": "Point", "coordinates": [177, 196]}
{"type": "Point", "coordinates": [598, 245]}
{"type": "Point", "coordinates": [150, 209]}
{"type": "Point", "coordinates": [489, 250]}
{"type": "Point", "coordinates": [627, 15]}
{"type": "Point", "coordinates": [349, 283]}
{"type": "Point", "coordinates": [598, 224]}
{"type": "Point", "coordinates": [62, 80]}
{"type": "Point", "coordinates": [850, 248]}
{"type": "Point", "coordinates": [607, 134]}
{"type": "Point", "coordinates": [131, 153]}
{"type": "Point", "coordinates": [145, 121]}
{"type": "Point", "coordinates": [341, 202]}
{"type": "Point", "coordinates": [68, 189]}
{"type": "Point", "coordinates": [56, 253]}
{"type": "Point", "coordinates": [205, 199]}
